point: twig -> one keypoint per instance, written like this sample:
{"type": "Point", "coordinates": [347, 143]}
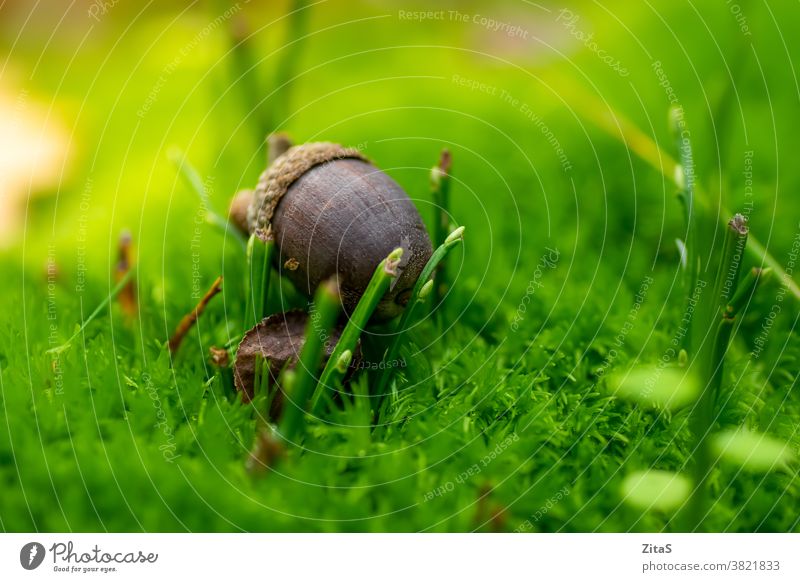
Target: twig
{"type": "Point", "coordinates": [127, 295]}
{"type": "Point", "coordinates": [190, 318]}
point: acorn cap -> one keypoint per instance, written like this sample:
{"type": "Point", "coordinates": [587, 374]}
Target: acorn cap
{"type": "Point", "coordinates": [279, 339]}
{"type": "Point", "coordinates": [282, 173]}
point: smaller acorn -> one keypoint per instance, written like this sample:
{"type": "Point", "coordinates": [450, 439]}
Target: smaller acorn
{"type": "Point", "coordinates": [278, 339]}
{"type": "Point", "coordinates": [240, 206]}
{"type": "Point", "coordinates": [332, 212]}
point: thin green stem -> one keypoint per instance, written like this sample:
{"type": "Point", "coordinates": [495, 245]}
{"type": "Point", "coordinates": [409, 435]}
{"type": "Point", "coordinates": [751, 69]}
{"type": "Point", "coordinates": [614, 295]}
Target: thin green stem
{"type": "Point", "coordinates": [732, 255]}
{"type": "Point", "coordinates": [259, 270]}
{"type": "Point", "coordinates": [756, 249]}
{"type": "Point", "coordinates": [710, 359]}
{"type": "Point", "coordinates": [722, 340]}
{"type": "Point", "coordinates": [295, 34]}
{"type": "Point", "coordinates": [747, 288]}
{"type": "Point", "coordinates": [378, 285]}
{"type": "Point", "coordinates": [700, 236]}
{"type": "Point", "coordinates": [685, 179]}
{"type": "Point", "coordinates": [321, 320]}
{"type": "Point", "coordinates": [195, 183]}
{"type": "Point", "coordinates": [440, 188]}
{"type": "Point", "coordinates": [114, 292]}
{"type": "Point", "coordinates": [714, 310]}
{"type": "Point", "coordinates": [619, 127]}
{"type": "Point", "coordinates": [244, 72]}
{"type": "Point", "coordinates": [418, 295]}
{"type": "Point", "coordinates": [344, 362]}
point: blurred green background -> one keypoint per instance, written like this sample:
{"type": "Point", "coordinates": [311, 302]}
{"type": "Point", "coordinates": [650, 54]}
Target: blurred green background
{"type": "Point", "coordinates": [124, 85]}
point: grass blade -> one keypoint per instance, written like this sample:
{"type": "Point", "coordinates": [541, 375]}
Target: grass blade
{"type": "Point", "coordinates": [304, 377]}
{"type": "Point", "coordinates": [619, 127]}
{"type": "Point", "coordinates": [422, 287]}
{"type": "Point", "coordinates": [747, 288]}
{"type": "Point", "coordinates": [123, 281]}
{"type": "Point", "coordinates": [440, 187]}
{"type": "Point", "coordinates": [709, 362]}
{"type": "Point", "coordinates": [195, 183]}
{"type": "Point", "coordinates": [378, 285]}
{"type": "Point", "coordinates": [244, 72]}
{"type": "Point", "coordinates": [296, 32]}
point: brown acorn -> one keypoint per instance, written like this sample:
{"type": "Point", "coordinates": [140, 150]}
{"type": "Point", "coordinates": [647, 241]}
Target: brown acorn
{"type": "Point", "coordinates": [278, 339]}
{"type": "Point", "coordinates": [240, 206]}
{"type": "Point", "coordinates": [330, 211]}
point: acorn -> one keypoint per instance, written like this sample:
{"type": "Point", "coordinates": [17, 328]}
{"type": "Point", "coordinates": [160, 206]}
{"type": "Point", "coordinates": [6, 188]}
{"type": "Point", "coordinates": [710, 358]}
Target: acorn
{"type": "Point", "coordinates": [278, 339]}
{"type": "Point", "coordinates": [240, 206]}
{"type": "Point", "coordinates": [331, 212]}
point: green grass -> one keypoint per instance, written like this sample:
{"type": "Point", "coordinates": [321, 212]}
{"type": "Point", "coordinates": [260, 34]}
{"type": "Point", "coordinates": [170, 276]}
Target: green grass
{"type": "Point", "coordinates": [494, 427]}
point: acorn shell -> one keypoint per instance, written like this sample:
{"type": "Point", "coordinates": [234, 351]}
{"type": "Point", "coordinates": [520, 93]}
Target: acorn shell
{"type": "Point", "coordinates": [330, 211]}
{"type": "Point", "coordinates": [279, 340]}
